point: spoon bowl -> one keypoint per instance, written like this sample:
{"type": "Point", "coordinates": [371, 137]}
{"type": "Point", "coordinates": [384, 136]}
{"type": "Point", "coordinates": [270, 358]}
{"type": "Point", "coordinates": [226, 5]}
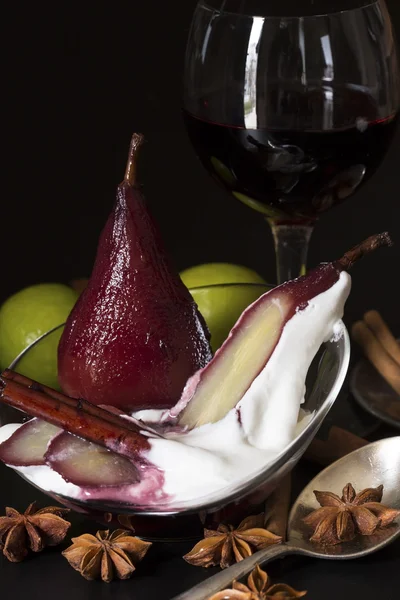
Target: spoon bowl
{"type": "Point", "coordinates": [376, 464]}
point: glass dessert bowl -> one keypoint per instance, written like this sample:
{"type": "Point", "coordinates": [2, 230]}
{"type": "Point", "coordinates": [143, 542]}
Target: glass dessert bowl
{"type": "Point", "coordinates": [184, 519]}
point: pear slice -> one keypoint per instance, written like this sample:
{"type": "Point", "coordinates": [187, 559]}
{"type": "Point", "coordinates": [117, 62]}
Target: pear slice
{"type": "Point", "coordinates": [222, 383]}
{"type": "Point", "coordinates": [217, 388]}
{"type": "Point", "coordinates": [28, 444]}
{"type": "Point", "coordinates": [88, 465]}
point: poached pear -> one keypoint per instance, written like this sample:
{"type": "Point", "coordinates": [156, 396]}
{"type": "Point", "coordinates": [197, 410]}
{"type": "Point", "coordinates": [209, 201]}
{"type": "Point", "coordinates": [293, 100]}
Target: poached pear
{"type": "Point", "coordinates": [218, 388]}
{"type": "Point", "coordinates": [135, 335]}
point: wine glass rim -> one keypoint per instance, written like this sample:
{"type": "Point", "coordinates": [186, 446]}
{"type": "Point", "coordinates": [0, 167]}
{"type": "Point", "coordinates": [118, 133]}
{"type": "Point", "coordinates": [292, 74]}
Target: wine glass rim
{"type": "Point", "coordinates": [368, 4]}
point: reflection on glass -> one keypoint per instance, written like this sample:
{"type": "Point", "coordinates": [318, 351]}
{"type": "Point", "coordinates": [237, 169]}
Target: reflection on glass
{"type": "Point", "coordinates": [291, 114]}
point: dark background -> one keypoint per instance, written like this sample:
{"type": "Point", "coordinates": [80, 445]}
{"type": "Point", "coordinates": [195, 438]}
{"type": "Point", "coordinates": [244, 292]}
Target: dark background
{"type": "Point", "coordinates": [76, 83]}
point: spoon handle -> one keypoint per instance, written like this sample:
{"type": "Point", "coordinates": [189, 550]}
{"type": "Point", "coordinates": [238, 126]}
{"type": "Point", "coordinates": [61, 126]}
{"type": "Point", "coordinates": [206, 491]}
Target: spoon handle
{"type": "Point", "coordinates": [221, 580]}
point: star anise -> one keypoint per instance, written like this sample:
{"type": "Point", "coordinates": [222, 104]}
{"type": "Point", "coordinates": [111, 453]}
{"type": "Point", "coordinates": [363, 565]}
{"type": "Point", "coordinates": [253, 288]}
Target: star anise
{"type": "Point", "coordinates": [34, 529]}
{"type": "Point", "coordinates": [258, 588]}
{"type": "Point", "coordinates": [228, 545]}
{"type": "Point", "coordinates": [106, 555]}
{"type": "Point", "coordinates": [340, 519]}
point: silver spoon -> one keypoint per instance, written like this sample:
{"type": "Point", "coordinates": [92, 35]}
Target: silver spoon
{"type": "Point", "coordinates": [375, 464]}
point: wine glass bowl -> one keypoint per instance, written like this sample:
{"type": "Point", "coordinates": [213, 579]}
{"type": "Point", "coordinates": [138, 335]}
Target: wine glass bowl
{"type": "Point", "coordinates": [291, 114]}
{"type": "Point", "coordinates": [186, 519]}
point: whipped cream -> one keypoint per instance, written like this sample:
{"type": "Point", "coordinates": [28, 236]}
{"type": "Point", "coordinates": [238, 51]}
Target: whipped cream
{"type": "Point", "coordinates": [206, 462]}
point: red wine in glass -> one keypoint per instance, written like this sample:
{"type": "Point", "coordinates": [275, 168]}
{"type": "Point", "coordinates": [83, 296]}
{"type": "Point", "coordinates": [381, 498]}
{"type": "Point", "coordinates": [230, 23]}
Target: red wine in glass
{"type": "Point", "coordinates": [292, 114]}
{"type": "Point", "coordinates": [293, 175]}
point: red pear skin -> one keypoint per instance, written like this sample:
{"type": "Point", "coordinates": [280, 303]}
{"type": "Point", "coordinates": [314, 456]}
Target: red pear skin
{"type": "Point", "coordinates": [135, 335]}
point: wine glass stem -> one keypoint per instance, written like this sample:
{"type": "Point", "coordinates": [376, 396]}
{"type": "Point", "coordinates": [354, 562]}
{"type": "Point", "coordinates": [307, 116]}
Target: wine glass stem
{"type": "Point", "coordinates": [291, 249]}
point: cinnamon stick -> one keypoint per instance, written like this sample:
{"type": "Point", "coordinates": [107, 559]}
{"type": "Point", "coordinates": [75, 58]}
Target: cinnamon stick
{"type": "Point", "coordinates": [87, 421]}
{"type": "Point", "coordinates": [112, 417]}
{"type": "Point", "coordinates": [377, 355]}
{"type": "Point", "coordinates": [277, 508]}
{"type": "Point", "coordinates": [338, 444]}
{"type": "Point", "coordinates": [381, 330]}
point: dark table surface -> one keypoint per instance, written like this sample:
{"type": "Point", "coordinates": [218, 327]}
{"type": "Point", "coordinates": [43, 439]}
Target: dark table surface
{"type": "Point", "coordinates": [163, 573]}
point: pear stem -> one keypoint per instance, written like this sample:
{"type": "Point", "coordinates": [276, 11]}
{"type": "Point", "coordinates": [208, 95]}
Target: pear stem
{"type": "Point", "coordinates": [130, 173]}
{"type": "Point", "coordinates": [366, 247]}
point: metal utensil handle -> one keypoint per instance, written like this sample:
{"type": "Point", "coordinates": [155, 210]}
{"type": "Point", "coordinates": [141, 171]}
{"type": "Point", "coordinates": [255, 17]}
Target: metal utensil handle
{"type": "Point", "coordinates": [220, 581]}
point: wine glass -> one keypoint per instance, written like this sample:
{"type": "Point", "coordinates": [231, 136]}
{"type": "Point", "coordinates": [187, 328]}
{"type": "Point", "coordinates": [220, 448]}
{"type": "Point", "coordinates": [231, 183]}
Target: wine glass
{"type": "Point", "coordinates": [291, 105]}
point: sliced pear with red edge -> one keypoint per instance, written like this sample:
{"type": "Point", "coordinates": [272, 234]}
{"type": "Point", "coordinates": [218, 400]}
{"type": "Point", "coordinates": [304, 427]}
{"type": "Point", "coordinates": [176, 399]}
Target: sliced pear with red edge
{"type": "Point", "coordinates": [217, 388]}
{"type": "Point", "coordinates": [213, 392]}
{"type": "Point", "coordinates": [88, 465]}
{"type": "Point", "coordinates": [28, 444]}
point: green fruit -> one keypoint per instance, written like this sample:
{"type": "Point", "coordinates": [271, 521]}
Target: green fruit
{"type": "Point", "coordinates": [222, 292]}
{"type": "Point", "coordinates": [214, 273]}
{"type": "Point", "coordinates": [26, 316]}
